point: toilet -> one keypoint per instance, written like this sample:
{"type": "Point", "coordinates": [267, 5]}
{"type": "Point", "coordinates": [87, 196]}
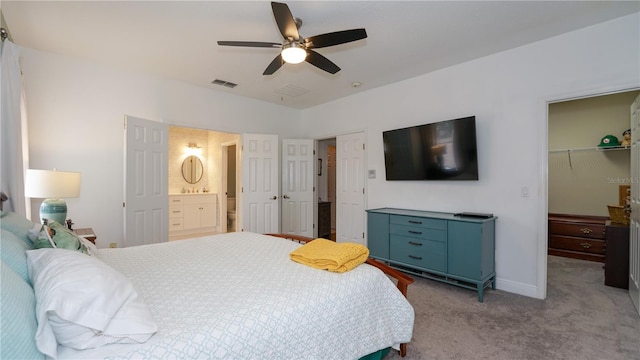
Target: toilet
{"type": "Point", "coordinates": [231, 214]}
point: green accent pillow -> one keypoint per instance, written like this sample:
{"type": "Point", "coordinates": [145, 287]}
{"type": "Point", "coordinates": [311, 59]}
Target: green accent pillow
{"type": "Point", "coordinates": [19, 325]}
{"type": "Point", "coordinates": [13, 252]}
{"type": "Point", "coordinates": [56, 235]}
{"type": "Point", "coordinates": [17, 224]}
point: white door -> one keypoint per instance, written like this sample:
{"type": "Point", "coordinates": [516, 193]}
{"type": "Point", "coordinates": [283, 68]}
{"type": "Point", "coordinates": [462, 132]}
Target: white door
{"type": "Point", "coordinates": [634, 246]}
{"type": "Point", "coordinates": [350, 212]}
{"type": "Point", "coordinates": [145, 181]}
{"type": "Point", "coordinates": [260, 184]}
{"type": "Point", "coordinates": [297, 187]}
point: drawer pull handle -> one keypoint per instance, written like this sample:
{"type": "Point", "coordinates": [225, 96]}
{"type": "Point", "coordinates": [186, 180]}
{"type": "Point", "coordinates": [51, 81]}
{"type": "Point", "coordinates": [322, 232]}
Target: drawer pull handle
{"type": "Point", "coordinates": [416, 257]}
{"type": "Point", "coordinates": [586, 230]}
{"type": "Point", "coordinates": [176, 224]}
{"type": "Point", "coordinates": [585, 245]}
{"type": "Point", "coordinates": [415, 243]}
{"type": "Point", "coordinates": [415, 222]}
{"type": "Point", "coordinates": [415, 232]}
{"type": "Point", "coordinates": [176, 211]}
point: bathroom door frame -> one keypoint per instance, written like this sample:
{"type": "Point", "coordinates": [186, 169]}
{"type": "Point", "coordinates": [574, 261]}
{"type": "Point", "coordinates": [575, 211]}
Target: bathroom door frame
{"type": "Point", "coordinates": [223, 183]}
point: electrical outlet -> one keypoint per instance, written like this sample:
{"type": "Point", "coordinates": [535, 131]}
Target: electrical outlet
{"type": "Point", "coordinates": [113, 245]}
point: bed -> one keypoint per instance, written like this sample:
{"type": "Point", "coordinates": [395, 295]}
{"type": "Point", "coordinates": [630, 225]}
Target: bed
{"type": "Point", "coordinates": [228, 296]}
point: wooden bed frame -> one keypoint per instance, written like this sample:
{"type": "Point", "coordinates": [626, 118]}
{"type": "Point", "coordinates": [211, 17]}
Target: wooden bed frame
{"type": "Point", "coordinates": [402, 280]}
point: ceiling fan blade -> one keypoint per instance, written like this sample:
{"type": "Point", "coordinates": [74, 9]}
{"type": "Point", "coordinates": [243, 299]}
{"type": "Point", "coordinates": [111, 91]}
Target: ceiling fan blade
{"type": "Point", "coordinates": [285, 21]}
{"type": "Point", "coordinates": [274, 66]}
{"type": "Point", "coordinates": [335, 38]}
{"type": "Point", "coordinates": [321, 62]}
{"type": "Point", "coordinates": [250, 44]}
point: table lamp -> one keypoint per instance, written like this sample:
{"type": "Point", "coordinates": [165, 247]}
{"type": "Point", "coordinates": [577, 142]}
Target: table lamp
{"type": "Point", "coordinates": [53, 186]}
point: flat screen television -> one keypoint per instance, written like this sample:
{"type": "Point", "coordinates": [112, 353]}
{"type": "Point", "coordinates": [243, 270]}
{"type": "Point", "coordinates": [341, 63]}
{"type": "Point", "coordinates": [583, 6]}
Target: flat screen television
{"type": "Point", "coordinates": [445, 150]}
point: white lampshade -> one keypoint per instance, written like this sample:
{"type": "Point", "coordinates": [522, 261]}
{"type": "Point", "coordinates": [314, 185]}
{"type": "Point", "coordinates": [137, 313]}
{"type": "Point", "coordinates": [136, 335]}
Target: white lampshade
{"type": "Point", "coordinates": [52, 185]}
{"type": "Point", "coordinates": [293, 53]}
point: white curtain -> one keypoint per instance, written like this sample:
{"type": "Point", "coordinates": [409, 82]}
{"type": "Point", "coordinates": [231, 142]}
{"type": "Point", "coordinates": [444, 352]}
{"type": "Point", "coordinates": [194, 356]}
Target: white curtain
{"type": "Point", "coordinates": [13, 134]}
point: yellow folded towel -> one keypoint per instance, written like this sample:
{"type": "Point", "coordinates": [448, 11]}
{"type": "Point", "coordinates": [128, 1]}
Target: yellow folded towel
{"type": "Point", "coordinates": [328, 255]}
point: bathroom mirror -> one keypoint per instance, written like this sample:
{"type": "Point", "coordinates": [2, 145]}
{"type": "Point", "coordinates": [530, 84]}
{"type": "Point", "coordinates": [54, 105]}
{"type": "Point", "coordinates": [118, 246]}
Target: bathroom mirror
{"type": "Point", "coordinates": [192, 169]}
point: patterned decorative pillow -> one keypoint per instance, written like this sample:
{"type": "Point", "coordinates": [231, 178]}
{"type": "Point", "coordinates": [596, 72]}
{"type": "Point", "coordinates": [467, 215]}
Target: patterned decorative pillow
{"type": "Point", "coordinates": [56, 235]}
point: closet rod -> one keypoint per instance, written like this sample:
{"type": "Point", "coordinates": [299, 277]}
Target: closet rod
{"type": "Point", "coordinates": [594, 148]}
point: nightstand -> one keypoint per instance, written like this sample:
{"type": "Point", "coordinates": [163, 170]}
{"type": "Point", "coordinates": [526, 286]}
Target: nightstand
{"type": "Point", "coordinates": [86, 233]}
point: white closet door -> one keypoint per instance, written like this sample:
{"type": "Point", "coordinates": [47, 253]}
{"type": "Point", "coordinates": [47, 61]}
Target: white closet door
{"type": "Point", "coordinates": [297, 187]}
{"type": "Point", "coordinates": [260, 184]}
{"type": "Point", "coordinates": [350, 214]}
{"type": "Point", "coordinates": [146, 182]}
{"type": "Point", "coordinates": [634, 246]}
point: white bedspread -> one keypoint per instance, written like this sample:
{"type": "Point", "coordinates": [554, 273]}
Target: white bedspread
{"type": "Point", "coordinates": [239, 296]}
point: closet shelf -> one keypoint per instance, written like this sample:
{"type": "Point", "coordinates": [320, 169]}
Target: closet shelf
{"type": "Point", "coordinates": [594, 148]}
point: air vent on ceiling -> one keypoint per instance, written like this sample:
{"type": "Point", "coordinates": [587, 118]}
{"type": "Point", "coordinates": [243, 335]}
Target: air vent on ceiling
{"type": "Point", "coordinates": [224, 83]}
{"type": "Point", "coordinates": [292, 90]}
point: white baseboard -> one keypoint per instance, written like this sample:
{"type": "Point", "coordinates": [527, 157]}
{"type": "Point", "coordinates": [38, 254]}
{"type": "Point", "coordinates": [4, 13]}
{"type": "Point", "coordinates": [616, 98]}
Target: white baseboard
{"type": "Point", "coordinates": [517, 288]}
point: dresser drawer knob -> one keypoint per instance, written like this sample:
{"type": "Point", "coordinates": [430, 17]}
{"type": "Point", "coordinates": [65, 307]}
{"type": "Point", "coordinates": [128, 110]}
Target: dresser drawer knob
{"type": "Point", "coordinates": [415, 232]}
{"type": "Point", "coordinates": [585, 245]}
{"type": "Point", "coordinates": [415, 222]}
{"type": "Point", "coordinates": [586, 230]}
{"type": "Point", "coordinates": [415, 257]}
{"type": "Point", "coordinates": [415, 243]}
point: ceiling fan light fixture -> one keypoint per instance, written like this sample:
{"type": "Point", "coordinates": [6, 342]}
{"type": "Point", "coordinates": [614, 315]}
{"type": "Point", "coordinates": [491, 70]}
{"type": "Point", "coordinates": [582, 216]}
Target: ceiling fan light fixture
{"type": "Point", "coordinates": [293, 53]}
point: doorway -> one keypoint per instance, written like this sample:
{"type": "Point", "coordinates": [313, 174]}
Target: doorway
{"type": "Point", "coordinates": [209, 147]}
{"type": "Point", "coordinates": [229, 186]}
{"type": "Point", "coordinates": [327, 188]}
{"type": "Point", "coordinates": [585, 174]}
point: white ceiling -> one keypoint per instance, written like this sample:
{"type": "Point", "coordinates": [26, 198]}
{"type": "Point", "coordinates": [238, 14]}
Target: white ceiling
{"type": "Point", "coordinates": [177, 39]}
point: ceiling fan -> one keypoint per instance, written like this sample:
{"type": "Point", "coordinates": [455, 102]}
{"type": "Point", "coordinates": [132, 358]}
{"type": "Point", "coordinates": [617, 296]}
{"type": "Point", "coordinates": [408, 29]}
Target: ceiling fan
{"type": "Point", "coordinates": [296, 49]}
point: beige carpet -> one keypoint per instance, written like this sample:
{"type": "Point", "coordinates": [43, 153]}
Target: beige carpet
{"type": "Point", "coordinates": [580, 319]}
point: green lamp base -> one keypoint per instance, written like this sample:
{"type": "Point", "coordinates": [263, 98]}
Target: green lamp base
{"type": "Point", "coordinates": [53, 209]}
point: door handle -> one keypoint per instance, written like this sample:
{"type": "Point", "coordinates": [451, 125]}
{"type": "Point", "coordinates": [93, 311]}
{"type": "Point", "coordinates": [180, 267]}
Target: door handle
{"type": "Point", "coordinates": [286, 197]}
{"type": "Point", "coordinates": [274, 197]}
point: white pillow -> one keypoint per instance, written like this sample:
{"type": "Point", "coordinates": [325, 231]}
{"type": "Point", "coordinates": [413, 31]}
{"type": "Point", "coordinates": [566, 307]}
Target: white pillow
{"type": "Point", "coordinates": [82, 303]}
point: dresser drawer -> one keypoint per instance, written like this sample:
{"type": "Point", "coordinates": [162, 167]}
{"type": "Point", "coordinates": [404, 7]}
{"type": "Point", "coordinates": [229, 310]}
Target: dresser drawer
{"type": "Point", "coordinates": [175, 224]}
{"type": "Point", "coordinates": [593, 231]}
{"type": "Point", "coordinates": [423, 253]}
{"type": "Point", "coordinates": [176, 211]}
{"type": "Point", "coordinates": [418, 232]}
{"type": "Point", "coordinates": [418, 222]}
{"type": "Point", "coordinates": [586, 245]}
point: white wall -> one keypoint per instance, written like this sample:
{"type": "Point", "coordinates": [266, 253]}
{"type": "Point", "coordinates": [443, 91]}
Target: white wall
{"type": "Point", "coordinates": [76, 111]}
{"type": "Point", "coordinates": [508, 93]}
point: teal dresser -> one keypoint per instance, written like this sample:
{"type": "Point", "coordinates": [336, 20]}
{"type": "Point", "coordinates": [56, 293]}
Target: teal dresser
{"type": "Point", "coordinates": [454, 249]}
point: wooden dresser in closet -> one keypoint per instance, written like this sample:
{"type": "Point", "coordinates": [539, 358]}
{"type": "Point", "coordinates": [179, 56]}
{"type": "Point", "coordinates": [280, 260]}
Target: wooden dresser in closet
{"type": "Point", "coordinates": [577, 236]}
